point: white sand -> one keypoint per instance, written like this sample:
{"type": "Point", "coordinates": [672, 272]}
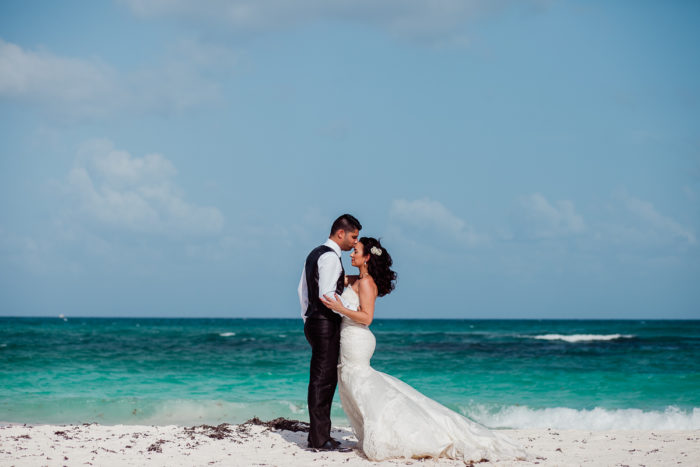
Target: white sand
{"type": "Point", "coordinates": [25, 445]}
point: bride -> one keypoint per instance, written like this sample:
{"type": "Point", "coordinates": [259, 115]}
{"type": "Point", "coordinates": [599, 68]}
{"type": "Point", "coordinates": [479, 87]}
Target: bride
{"type": "Point", "coordinates": [389, 417]}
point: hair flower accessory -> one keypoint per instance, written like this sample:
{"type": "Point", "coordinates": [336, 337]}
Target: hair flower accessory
{"type": "Point", "coordinates": [376, 251]}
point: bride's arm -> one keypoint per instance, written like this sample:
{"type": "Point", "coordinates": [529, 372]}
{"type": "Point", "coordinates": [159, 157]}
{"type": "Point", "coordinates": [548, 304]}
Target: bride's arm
{"type": "Point", "coordinates": [365, 313]}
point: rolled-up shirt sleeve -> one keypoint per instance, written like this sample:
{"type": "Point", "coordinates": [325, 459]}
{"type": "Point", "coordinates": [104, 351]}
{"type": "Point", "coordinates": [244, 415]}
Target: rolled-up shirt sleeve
{"type": "Point", "coordinates": [329, 270]}
{"type": "Point", "coordinates": [302, 290]}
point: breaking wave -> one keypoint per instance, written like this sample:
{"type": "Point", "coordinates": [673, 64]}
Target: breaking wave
{"type": "Point", "coordinates": [582, 337]}
{"type": "Point", "coordinates": [597, 419]}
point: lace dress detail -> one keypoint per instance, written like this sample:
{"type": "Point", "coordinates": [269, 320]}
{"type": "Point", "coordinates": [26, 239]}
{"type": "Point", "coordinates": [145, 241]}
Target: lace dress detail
{"type": "Point", "coordinates": [391, 419]}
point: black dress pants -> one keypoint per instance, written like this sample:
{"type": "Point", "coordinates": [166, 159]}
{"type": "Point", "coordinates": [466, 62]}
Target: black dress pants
{"type": "Point", "coordinates": [324, 337]}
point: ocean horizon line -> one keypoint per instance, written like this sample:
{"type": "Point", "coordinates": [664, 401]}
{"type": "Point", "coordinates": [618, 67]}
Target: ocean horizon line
{"type": "Point", "coordinates": [64, 316]}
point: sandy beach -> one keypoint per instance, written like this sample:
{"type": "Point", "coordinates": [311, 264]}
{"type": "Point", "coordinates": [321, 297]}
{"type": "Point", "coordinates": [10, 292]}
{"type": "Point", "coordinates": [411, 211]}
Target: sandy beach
{"type": "Point", "coordinates": [283, 442]}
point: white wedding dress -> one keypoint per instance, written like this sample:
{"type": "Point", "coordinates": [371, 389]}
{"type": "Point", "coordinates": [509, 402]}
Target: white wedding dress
{"type": "Point", "coordinates": [391, 419]}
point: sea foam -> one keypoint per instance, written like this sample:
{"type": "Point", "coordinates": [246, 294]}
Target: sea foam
{"type": "Point", "coordinates": [516, 417]}
{"type": "Point", "coordinates": [582, 337]}
{"type": "Point", "coordinates": [185, 412]}
{"type": "Point", "coordinates": [597, 419]}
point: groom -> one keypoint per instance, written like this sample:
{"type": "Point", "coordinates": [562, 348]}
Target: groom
{"type": "Point", "coordinates": [323, 274]}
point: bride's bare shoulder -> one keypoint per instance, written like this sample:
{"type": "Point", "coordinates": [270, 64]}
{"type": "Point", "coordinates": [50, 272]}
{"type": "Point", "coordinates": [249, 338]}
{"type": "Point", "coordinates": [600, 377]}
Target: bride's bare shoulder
{"type": "Point", "coordinates": [367, 284]}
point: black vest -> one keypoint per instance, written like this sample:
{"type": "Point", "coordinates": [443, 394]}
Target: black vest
{"type": "Point", "coordinates": [316, 308]}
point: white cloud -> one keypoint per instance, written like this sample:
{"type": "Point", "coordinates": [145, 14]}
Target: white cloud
{"type": "Point", "coordinates": [118, 167]}
{"type": "Point", "coordinates": [432, 20]}
{"type": "Point", "coordinates": [547, 220]}
{"type": "Point", "coordinates": [41, 76]}
{"type": "Point", "coordinates": [117, 190]}
{"type": "Point", "coordinates": [428, 215]}
{"type": "Point", "coordinates": [653, 222]}
{"type": "Point", "coordinates": [79, 87]}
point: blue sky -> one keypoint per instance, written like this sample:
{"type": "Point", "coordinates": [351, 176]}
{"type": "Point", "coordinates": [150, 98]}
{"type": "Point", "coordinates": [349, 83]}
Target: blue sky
{"type": "Point", "coordinates": [533, 159]}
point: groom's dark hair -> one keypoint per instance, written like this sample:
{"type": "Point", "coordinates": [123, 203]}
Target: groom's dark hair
{"type": "Point", "coordinates": [346, 222]}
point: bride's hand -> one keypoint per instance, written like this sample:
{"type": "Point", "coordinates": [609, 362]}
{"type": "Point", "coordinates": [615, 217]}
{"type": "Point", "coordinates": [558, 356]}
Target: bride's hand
{"type": "Point", "coordinates": [333, 304]}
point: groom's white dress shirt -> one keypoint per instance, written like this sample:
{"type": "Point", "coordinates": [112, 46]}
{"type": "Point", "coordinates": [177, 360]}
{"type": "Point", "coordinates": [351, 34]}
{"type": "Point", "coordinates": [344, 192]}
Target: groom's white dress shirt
{"type": "Point", "coordinates": [329, 270]}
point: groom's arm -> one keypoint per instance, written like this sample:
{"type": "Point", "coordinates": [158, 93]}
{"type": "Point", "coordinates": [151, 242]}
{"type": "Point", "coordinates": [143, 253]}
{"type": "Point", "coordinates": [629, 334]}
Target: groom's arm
{"type": "Point", "coordinates": [329, 270]}
{"type": "Point", "coordinates": [302, 292]}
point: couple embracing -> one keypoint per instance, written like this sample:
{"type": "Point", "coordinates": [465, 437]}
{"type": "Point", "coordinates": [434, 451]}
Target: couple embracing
{"type": "Point", "coordinates": [389, 417]}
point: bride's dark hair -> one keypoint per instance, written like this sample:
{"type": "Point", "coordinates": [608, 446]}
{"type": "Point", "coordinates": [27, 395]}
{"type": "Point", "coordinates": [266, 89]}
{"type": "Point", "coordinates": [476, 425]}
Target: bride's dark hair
{"type": "Point", "coordinates": [379, 265]}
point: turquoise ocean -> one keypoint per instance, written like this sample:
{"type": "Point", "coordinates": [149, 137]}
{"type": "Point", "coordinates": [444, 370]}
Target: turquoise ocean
{"type": "Point", "coordinates": [503, 373]}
